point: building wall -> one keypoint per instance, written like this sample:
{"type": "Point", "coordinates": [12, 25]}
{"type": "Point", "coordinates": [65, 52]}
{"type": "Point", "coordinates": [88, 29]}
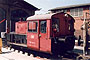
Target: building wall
{"type": "Point", "coordinates": [79, 22]}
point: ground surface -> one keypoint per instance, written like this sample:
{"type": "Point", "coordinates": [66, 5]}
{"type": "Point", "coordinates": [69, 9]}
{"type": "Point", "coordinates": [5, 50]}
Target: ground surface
{"type": "Point", "coordinates": [8, 54]}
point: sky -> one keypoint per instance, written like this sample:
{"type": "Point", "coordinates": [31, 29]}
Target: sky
{"type": "Point", "coordinates": [45, 5]}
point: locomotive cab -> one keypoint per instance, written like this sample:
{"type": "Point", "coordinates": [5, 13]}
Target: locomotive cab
{"type": "Point", "coordinates": [51, 33]}
{"type": "Point", "coordinates": [62, 33]}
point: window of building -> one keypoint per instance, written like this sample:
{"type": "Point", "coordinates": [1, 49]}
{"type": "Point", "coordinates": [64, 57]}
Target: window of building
{"type": "Point", "coordinates": [72, 12]}
{"type": "Point", "coordinates": [76, 12]}
{"type": "Point", "coordinates": [80, 11]}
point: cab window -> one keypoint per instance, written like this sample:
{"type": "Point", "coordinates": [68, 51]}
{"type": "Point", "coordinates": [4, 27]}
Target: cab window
{"type": "Point", "coordinates": [55, 24]}
{"type": "Point", "coordinates": [32, 26]}
{"type": "Point", "coordinates": [71, 25]}
{"type": "Point", "coordinates": [43, 26]}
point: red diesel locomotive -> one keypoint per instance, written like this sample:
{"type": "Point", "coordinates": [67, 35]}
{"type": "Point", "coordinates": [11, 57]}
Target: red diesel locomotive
{"type": "Point", "coordinates": [49, 33]}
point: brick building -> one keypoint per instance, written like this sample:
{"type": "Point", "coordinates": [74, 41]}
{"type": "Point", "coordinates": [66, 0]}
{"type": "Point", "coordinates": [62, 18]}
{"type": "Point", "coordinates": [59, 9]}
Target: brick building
{"type": "Point", "coordinates": [12, 11]}
{"type": "Point", "coordinates": [77, 11]}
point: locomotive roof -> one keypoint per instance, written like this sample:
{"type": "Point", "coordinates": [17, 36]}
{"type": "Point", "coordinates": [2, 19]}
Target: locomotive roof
{"type": "Point", "coordinates": [44, 16]}
{"type": "Point", "coordinates": [40, 17]}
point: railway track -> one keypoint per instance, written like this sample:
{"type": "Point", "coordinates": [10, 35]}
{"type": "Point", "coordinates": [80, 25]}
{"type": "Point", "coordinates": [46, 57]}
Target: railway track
{"type": "Point", "coordinates": [41, 55]}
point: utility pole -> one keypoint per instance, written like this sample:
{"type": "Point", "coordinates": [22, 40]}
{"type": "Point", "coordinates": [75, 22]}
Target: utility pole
{"type": "Point", "coordinates": [84, 34]}
{"type": "Point", "coordinates": [85, 39]}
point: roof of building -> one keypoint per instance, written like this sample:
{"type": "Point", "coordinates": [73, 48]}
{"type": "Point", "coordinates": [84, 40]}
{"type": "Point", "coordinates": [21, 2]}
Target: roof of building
{"type": "Point", "coordinates": [23, 4]}
{"type": "Point", "coordinates": [71, 6]}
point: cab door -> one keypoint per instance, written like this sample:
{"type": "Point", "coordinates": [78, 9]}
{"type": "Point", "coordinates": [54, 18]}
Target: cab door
{"type": "Point", "coordinates": [45, 43]}
{"type": "Point", "coordinates": [32, 35]}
